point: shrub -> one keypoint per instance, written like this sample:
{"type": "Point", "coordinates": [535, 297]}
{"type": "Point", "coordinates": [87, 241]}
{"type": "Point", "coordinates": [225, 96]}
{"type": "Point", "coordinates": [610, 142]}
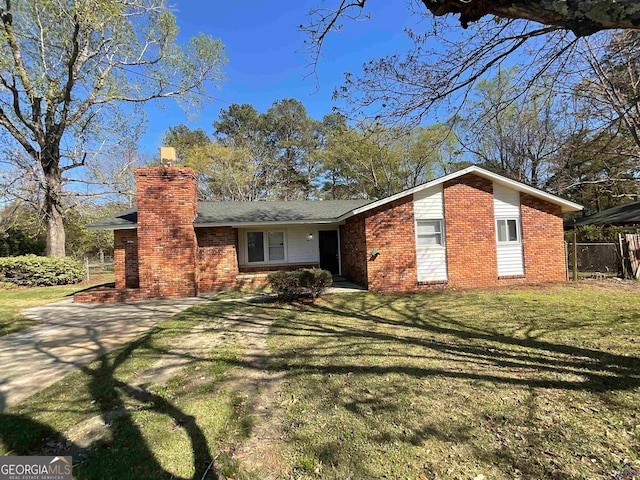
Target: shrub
{"type": "Point", "coordinates": [315, 281]}
{"type": "Point", "coordinates": [32, 271]}
{"type": "Point", "coordinates": [286, 285]}
{"type": "Point", "coordinates": [306, 281]}
{"type": "Point", "coordinates": [18, 242]}
{"type": "Point", "coordinates": [7, 286]}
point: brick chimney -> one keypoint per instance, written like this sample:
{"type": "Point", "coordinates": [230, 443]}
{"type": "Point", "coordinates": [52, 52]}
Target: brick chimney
{"type": "Point", "coordinates": [167, 205]}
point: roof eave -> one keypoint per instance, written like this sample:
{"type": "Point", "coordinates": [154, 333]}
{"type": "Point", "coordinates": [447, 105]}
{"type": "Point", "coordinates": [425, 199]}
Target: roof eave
{"type": "Point", "coordinates": [112, 227]}
{"type": "Point", "coordinates": [566, 205]}
{"type": "Point", "coordinates": [264, 223]}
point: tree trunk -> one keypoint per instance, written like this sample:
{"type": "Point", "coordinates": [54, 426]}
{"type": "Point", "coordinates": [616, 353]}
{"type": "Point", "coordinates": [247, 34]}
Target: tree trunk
{"type": "Point", "coordinates": [53, 202]}
{"type": "Point", "coordinates": [583, 17]}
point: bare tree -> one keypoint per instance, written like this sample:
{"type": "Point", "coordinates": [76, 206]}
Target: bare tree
{"type": "Point", "coordinates": [446, 62]}
{"type": "Point", "coordinates": [72, 69]}
{"type": "Point", "coordinates": [609, 85]}
{"type": "Point", "coordinates": [583, 17]}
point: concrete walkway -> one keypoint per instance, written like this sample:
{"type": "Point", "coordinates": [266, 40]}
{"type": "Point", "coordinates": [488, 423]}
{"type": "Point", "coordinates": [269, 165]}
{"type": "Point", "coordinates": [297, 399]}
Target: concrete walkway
{"type": "Point", "coordinates": [341, 285]}
{"type": "Point", "coordinates": [71, 335]}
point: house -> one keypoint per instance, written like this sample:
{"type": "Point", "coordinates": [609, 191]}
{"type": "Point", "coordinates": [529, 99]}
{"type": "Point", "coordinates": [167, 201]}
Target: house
{"type": "Point", "coordinates": [627, 215]}
{"type": "Point", "coordinates": [472, 228]}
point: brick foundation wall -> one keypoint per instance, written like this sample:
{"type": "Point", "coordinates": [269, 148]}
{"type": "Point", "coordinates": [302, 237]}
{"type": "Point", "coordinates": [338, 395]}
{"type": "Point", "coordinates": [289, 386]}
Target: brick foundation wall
{"type": "Point", "coordinates": [110, 295]}
{"type": "Point", "coordinates": [217, 258]}
{"type": "Point", "coordinates": [353, 250]}
{"type": "Point", "coordinates": [543, 240]}
{"type": "Point", "coordinates": [390, 230]}
{"type": "Point", "coordinates": [250, 281]}
{"type": "Point", "coordinates": [470, 232]}
{"type": "Point", "coordinates": [277, 268]}
{"type": "Point", "coordinates": [167, 206]}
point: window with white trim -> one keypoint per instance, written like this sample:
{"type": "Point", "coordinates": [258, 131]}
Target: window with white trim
{"type": "Point", "coordinates": [275, 241]}
{"type": "Point", "coordinates": [508, 230]}
{"type": "Point", "coordinates": [266, 247]}
{"type": "Point", "coordinates": [429, 232]}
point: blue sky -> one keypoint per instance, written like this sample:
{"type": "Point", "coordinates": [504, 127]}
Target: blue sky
{"type": "Point", "coordinates": [266, 59]}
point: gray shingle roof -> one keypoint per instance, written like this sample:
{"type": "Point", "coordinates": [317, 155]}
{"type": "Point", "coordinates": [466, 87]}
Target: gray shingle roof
{"type": "Point", "coordinates": [221, 213]}
{"type": "Point", "coordinates": [126, 219]}
{"type": "Point", "coordinates": [628, 214]}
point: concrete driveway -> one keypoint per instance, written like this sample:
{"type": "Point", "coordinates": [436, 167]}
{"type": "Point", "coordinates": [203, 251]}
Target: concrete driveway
{"type": "Point", "coordinates": [70, 335]}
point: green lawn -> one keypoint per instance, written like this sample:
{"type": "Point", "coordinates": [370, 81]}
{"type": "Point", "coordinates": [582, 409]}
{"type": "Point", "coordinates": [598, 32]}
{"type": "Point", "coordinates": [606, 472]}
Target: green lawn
{"type": "Point", "coordinates": [14, 300]}
{"type": "Point", "coordinates": [520, 383]}
{"type": "Point", "coordinates": [507, 384]}
{"type": "Point", "coordinates": [173, 429]}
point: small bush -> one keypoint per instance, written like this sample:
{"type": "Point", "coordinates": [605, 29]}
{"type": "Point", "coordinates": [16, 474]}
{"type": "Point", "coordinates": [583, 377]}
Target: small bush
{"type": "Point", "coordinates": [306, 281]}
{"type": "Point", "coordinates": [286, 285]}
{"type": "Point", "coordinates": [315, 281]}
{"type": "Point", "coordinates": [34, 271]}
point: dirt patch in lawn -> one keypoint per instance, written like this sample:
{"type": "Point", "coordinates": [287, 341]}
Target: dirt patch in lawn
{"type": "Point", "coordinates": [224, 357]}
{"type": "Point", "coordinates": [259, 392]}
{"type": "Point", "coordinates": [257, 389]}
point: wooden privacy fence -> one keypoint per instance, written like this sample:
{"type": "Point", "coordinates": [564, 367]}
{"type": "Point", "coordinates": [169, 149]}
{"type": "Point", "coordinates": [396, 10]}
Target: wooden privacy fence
{"type": "Point", "coordinates": [630, 253]}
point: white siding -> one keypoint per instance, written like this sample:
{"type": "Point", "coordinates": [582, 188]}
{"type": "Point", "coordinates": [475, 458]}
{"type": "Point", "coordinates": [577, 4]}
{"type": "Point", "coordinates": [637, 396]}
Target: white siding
{"type": "Point", "coordinates": [299, 249]}
{"type": "Point", "coordinates": [506, 204]}
{"type": "Point", "coordinates": [427, 204]}
{"type": "Point", "coordinates": [510, 259]}
{"type": "Point", "coordinates": [432, 263]}
{"type": "Point", "coordinates": [431, 260]}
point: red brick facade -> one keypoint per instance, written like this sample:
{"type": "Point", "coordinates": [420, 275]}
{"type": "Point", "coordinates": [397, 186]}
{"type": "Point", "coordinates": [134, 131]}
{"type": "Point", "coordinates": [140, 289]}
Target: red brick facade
{"type": "Point", "coordinates": [167, 205]}
{"type": "Point", "coordinates": [353, 250]}
{"type": "Point", "coordinates": [470, 239]}
{"type": "Point", "coordinates": [542, 240]}
{"type": "Point", "coordinates": [390, 230]}
{"type": "Point", "coordinates": [217, 258]}
{"type": "Point", "coordinates": [470, 232]}
{"type": "Point", "coordinates": [125, 259]}
{"type": "Point", "coordinates": [168, 257]}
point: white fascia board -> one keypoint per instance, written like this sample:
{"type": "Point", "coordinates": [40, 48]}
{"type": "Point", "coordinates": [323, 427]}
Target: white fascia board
{"type": "Point", "coordinates": [566, 205]}
{"type": "Point", "coordinates": [115, 227]}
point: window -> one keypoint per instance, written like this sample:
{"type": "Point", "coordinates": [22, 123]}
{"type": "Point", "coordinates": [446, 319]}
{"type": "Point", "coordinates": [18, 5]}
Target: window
{"type": "Point", "coordinates": [276, 246]}
{"type": "Point", "coordinates": [265, 247]}
{"type": "Point", "coordinates": [430, 232]}
{"type": "Point", "coordinates": [508, 230]}
{"type": "Point", "coordinates": [255, 246]}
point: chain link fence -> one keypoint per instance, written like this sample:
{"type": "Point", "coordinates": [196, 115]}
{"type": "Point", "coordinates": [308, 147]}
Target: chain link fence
{"type": "Point", "coordinates": [595, 258]}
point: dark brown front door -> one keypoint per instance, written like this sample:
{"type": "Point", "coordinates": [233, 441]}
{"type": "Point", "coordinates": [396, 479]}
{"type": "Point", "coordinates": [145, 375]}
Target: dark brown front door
{"type": "Point", "coordinates": [328, 240]}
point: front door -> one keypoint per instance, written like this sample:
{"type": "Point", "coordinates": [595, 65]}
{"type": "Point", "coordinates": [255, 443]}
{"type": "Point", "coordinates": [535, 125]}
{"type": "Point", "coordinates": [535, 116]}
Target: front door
{"type": "Point", "coordinates": [328, 240]}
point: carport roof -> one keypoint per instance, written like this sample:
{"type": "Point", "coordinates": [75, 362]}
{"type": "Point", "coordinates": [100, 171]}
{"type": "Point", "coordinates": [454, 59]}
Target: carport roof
{"type": "Point", "coordinates": [628, 214]}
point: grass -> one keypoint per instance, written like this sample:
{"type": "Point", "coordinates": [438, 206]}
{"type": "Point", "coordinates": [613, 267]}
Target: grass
{"type": "Point", "coordinates": [509, 384]}
{"type": "Point", "coordinates": [15, 299]}
{"type": "Point", "coordinates": [517, 383]}
{"type": "Point", "coordinates": [154, 430]}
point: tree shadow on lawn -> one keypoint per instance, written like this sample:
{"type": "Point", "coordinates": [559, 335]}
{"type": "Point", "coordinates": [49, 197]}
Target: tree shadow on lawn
{"type": "Point", "coordinates": [599, 371]}
{"type": "Point", "coordinates": [356, 332]}
{"type": "Point", "coordinates": [125, 453]}
{"type": "Point", "coordinates": [374, 337]}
